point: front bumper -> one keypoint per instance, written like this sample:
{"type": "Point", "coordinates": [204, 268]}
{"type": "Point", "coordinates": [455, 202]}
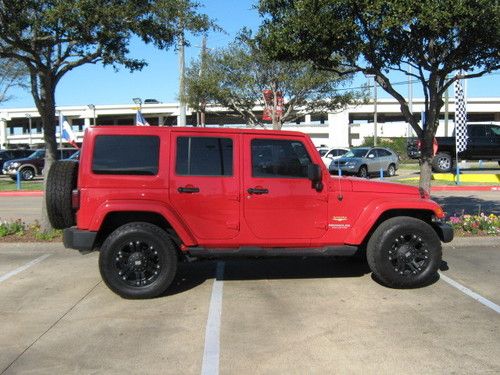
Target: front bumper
{"type": "Point", "coordinates": [444, 231]}
{"type": "Point", "coordinates": [346, 169]}
{"type": "Point", "coordinates": [81, 240]}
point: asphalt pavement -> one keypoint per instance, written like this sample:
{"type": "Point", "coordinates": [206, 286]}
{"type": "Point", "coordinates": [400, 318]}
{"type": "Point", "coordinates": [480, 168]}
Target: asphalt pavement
{"type": "Point", "coordinates": [323, 316]}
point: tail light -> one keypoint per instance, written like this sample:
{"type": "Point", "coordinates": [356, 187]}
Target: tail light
{"type": "Point", "coordinates": [75, 199]}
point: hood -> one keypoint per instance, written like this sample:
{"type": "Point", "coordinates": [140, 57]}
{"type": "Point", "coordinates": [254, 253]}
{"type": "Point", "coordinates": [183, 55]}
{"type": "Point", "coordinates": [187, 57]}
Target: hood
{"type": "Point", "coordinates": [363, 185]}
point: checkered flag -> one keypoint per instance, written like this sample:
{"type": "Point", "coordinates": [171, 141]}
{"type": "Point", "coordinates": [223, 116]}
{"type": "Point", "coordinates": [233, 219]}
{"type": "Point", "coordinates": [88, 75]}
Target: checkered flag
{"type": "Point", "coordinates": [460, 118]}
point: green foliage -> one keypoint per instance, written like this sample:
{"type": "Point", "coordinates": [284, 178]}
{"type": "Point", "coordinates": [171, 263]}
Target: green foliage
{"type": "Point", "coordinates": [236, 76]}
{"type": "Point", "coordinates": [34, 231]}
{"type": "Point", "coordinates": [397, 144]}
{"type": "Point", "coordinates": [12, 228]}
{"type": "Point", "coordinates": [437, 39]}
{"type": "Point", "coordinates": [12, 74]}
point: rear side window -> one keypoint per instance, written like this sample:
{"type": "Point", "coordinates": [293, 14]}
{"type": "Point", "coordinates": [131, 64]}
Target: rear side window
{"type": "Point", "coordinates": [126, 155]}
{"type": "Point", "coordinates": [279, 158]}
{"type": "Point", "coordinates": [204, 156]}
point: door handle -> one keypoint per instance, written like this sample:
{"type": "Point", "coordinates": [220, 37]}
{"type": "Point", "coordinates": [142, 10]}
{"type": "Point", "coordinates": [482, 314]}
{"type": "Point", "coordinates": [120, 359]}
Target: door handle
{"type": "Point", "coordinates": [188, 190]}
{"type": "Point", "coordinates": [257, 191]}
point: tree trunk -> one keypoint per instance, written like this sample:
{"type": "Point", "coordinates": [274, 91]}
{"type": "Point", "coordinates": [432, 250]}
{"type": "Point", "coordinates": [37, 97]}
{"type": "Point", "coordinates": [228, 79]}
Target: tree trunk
{"type": "Point", "coordinates": [47, 108]}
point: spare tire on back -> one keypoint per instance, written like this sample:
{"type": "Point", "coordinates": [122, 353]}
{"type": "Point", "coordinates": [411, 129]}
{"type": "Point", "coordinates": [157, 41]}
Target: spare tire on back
{"type": "Point", "coordinates": [61, 180]}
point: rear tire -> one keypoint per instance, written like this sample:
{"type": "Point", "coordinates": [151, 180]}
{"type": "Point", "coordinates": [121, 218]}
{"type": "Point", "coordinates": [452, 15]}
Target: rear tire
{"type": "Point", "coordinates": [404, 252]}
{"type": "Point", "coordinates": [138, 260]}
{"type": "Point", "coordinates": [61, 180]}
{"type": "Point", "coordinates": [442, 163]}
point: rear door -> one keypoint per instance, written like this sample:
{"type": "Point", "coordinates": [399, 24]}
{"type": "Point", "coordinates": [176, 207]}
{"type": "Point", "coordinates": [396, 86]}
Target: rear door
{"type": "Point", "coordinates": [494, 147]}
{"type": "Point", "coordinates": [204, 183]}
{"type": "Point", "coordinates": [279, 200]}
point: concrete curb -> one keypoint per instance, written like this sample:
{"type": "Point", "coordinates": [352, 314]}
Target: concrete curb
{"type": "Point", "coordinates": [27, 193]}
{"type": "Point", "coordinates": [493, 241]}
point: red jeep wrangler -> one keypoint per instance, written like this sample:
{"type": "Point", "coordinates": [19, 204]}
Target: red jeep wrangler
{"type": "Point", "coordinates": [148, 197]}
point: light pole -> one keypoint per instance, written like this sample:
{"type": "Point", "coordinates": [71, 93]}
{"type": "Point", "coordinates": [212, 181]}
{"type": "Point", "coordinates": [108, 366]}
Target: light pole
{"type": "Point", "coordinates": [28, 116]}
{"type": "Point", "coordinates": [92, 107]}
{"type": "Point", "coordinates": [138, 101]}
{"type": "Point", "coordinates": [375, 114]}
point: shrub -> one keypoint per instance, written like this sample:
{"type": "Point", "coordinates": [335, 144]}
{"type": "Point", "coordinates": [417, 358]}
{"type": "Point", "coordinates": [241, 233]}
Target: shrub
{"type": "Point", "coordinates": [397, 144]}
{"type": "Point", "coordinates": [12, 228]}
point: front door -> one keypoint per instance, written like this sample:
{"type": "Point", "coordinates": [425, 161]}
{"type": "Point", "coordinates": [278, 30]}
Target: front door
{"type": "Point", "coordinates": [204, 186]}
{"type": "Point", "coordinates": [279, 199]}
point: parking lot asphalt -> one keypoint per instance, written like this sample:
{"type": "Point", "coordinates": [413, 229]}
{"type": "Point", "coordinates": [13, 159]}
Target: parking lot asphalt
{"type": "Point", "coordinates": [276, 316]}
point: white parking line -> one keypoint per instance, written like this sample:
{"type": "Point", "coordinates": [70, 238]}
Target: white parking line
{"type": "Point", "coordinates": [8, 275]}
{"type": "Point", "coordinates": [486, 302]}
{"type": "Point", "coordinates": [211, 354]}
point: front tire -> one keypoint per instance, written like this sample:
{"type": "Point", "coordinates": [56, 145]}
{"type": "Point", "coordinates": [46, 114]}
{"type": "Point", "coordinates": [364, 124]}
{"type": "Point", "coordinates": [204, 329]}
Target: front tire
{"type": "Point", "coordinates": [27, 174]}
{"type": "Point", "coordinates": [404, 252]}
{"type": "Point", "coordinates": [363, 171]}
{"type": "Point", "coordinates": [391, 170]}
{"type": "Point", "coordinates": [138, 260]}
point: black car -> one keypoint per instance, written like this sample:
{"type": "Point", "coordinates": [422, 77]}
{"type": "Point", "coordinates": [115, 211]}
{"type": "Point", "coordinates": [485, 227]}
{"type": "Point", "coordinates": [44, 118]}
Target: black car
{"type": "Point", "coordinates": [33, 165]}
{"type": "Point", "coordinates": [6, 155]}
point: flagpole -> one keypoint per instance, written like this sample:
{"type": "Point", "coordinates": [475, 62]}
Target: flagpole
{"type": "Point", "coordinates": [60, 132]}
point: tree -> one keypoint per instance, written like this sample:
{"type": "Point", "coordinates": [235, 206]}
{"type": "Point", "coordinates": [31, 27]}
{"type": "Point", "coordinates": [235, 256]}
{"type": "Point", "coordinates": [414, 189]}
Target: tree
{"type": "Point", "coordinates": [12, 74]}
{"type": "Point", "coordinates": [53, 37]}
{"type": "Point", "coordinates": [236, 77]}
{"type": "Point", "coordinates": [441, 40]}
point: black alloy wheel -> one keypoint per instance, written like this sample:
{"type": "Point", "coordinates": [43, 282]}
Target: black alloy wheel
{"type": "Point", "coordinates": [404, 252]}
{"type": "Point", "coordinates": [137, 263]}
{"type": "Point", "coordinates": [138, 260]}
{"type": "Point", "coordinates": [408, 254]}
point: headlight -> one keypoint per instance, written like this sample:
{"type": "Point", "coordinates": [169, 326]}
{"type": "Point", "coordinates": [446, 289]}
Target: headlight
{"type": "Point", "coordinates": [14, 165]}
{"type": "Point", "coordinates": [349, 163]}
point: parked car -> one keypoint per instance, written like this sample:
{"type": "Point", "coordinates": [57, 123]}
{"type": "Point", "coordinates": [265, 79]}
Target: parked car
{"type": "Point", "coordinates": [483, 144]}
{"type": "Point", "coordinates": [333, 154]}
{"type": "Point", "coordinates": [32, 166]}
{"type": "Point", "coordinates": [6, 155]}
{"type": "Point", "coordinates": [363, 161]}
{"type": "Point", "coordinates": [322, 149]}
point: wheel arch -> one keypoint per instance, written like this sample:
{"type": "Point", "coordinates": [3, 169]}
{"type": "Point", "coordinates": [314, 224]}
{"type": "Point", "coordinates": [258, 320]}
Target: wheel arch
{"type": "Point", "coordinates": [115, 219]}
{"type": "Point", "coordinates": [112, 214]}
{"type": "Point", "coordinates": [365, 226]}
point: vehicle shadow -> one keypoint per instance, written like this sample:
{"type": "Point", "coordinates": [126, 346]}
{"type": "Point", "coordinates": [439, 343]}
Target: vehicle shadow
{"type": "Point", "coordinates": [190, 275]}
{"type": "Point", "coordinates": [471, 205]}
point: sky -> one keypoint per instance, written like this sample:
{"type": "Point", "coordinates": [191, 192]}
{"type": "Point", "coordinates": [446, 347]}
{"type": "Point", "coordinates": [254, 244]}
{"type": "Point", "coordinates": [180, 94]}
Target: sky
{"type": "Point", "coordinates": [95, 84]}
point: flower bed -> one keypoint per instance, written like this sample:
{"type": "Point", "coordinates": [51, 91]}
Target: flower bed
{"type": "Point", "coordinates": [475, 225]}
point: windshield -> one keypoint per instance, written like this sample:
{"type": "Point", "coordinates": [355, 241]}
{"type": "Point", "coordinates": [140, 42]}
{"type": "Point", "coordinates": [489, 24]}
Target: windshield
{"type": "Point", "coordinates": [37, 154]}
{"type": "Point", "coordinates": [356, 153]}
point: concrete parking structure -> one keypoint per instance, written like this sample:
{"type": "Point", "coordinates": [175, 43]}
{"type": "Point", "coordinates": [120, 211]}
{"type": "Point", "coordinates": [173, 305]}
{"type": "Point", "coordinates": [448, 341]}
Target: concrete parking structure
{"type": "Point", "coordinates": [277, 316]}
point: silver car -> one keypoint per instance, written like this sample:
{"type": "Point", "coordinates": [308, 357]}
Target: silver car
{"type": "Point", "coordinates": [363, 161]}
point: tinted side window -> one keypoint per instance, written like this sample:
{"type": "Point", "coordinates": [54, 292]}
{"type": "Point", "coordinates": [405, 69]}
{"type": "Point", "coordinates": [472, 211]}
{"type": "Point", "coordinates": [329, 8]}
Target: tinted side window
{"type": "Point", "coordinates": [127, 155]}
{"type": "Point", "coordinates": [204, 156]}
{"type": "Point", "coordinates": [477, 131]}
{"type": "Point", "coordinates": [382, 152]}
{"type": "Point", "coordinates": [495, 130]}
{"type": "Point", "coordinates": [279, 158]}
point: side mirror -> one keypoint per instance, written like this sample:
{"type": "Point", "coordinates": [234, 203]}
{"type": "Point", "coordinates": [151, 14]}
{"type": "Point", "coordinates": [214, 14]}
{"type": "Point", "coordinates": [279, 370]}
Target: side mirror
{"type": "Point", "coordinates": [314, 174]}
{"type": "Point", "coordinates": [371, 156]}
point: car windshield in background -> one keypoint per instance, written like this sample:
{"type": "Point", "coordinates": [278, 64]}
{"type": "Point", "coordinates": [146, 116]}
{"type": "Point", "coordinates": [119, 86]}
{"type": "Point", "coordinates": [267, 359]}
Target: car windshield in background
{"type": "Point", "coordinates": [37, 154]}
{"type": "Point", "coordinates": [356, 153]}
